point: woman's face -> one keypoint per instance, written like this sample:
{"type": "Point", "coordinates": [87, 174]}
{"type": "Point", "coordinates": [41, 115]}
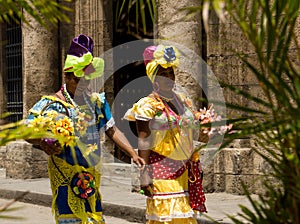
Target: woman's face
{"type": "Point", "coordinates": [165, 78]}
{"type": "Point", "coordinates": [76, 85]}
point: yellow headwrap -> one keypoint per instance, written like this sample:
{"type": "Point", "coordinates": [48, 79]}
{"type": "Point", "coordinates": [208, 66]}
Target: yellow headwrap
{"type": "Point", "coordinates": [165, 56]}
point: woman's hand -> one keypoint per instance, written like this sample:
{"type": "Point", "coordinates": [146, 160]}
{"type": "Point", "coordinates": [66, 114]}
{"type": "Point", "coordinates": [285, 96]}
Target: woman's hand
{"type": "Point", "coordinates": [147, 190]}
{"type": "Point", "coordinates": [139, 161]}
{"type": "Point", "coordinates": [50, 146]}
{"type": "Point", "coordinates": [146, 184]}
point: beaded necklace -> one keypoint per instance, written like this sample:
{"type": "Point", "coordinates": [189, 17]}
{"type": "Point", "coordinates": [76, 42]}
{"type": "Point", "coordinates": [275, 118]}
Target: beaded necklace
{"type": "Point", "coordinates": [66, 94]}
{"type": "Point", "coordinates": [71, 101]}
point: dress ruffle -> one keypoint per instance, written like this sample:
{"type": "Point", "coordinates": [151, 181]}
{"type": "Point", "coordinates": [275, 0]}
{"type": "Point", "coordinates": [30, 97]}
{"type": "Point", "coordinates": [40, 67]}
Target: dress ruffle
{"type": "Point", "coordinates": [144, 110]}
{"type": "Point", "coordinates": [170, 201]}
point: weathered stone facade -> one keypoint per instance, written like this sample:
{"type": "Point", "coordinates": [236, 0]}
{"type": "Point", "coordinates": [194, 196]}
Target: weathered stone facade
{"type": "Point", "coordinates": [44, 53]}
{"type": "Point", "coordinates": [172, 26]}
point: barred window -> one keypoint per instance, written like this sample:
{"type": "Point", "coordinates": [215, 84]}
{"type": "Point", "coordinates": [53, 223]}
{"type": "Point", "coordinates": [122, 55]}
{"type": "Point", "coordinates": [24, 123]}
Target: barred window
{"type": "Point", "coordinates": [13, 59]}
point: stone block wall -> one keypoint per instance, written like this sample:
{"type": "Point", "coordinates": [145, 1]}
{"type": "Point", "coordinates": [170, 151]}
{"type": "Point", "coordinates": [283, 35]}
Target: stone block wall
{"type": "Point", "coordinates": [22, 161]}
{"type": "Point", "coordinates": [2, 156]}
{"type": "Point", "coordinates": [228, 169]}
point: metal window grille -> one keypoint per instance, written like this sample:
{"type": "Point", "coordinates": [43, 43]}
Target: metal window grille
{"type": "Point", "coordinates": [13, 57]}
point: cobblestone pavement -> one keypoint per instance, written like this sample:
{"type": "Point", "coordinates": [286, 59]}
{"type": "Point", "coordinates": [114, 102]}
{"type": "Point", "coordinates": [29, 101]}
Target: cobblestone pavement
{"type": "Point", "coordinates": [36, 214]}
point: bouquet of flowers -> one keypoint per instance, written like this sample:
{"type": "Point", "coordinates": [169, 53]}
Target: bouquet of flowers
{"type": "Point", "coordinates": [60, 127]}
{"type": "Point", "coordinates": [57, 127]}
{"type": "Point", "coordinates": [206, 118]}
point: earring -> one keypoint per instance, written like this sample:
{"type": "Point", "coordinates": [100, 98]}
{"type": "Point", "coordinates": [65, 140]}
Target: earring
{"type": "Point", "coordinates": [155, 86]}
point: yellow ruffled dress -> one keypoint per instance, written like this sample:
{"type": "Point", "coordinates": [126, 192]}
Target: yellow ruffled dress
{"type": "Point", "coordinates": [170, 203]}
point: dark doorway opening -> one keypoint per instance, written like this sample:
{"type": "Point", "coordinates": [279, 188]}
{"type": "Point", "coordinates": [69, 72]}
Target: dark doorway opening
{"type": "Point", "coordinates": [130, 80]}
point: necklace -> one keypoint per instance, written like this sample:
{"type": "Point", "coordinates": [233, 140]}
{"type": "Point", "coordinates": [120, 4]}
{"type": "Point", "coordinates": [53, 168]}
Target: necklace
{"type": "Point", "coordinates": [69, 99]}
{"type": "Point", "coordinates": [66, 94]}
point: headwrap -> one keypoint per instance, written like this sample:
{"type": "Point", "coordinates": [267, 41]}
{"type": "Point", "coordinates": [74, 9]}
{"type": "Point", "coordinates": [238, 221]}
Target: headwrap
{"type": "Point", "coordinates": [80, 59]}
{"type": "Point", "coordinates": [165, 56]}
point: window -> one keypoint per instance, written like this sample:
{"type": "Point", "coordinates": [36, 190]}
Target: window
{"type": "Point", "coordinates": [13, 74]}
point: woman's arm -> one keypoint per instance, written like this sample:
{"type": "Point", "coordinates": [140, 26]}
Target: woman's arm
{"type": "Point", "coordinates": [144, 146]}
{"type": "Point", "coordinates": [122, 142]}
{"type": "Point", "coordinates": [144, 141]}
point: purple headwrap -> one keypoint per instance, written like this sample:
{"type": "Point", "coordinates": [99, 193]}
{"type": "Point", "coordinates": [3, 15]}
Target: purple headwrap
{"type": "Point", "coordinates": [81, 45]}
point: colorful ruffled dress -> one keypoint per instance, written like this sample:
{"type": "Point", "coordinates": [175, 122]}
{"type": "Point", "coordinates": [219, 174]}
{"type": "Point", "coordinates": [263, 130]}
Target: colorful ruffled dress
{"type": "Point", "coordinates": [174, 168]}
{"type": "Point", "coordinates": [75, 172]}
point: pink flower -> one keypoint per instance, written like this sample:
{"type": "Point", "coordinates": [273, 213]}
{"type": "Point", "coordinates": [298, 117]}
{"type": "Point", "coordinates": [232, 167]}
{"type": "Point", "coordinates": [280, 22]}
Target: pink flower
{"type": "Point", "coordinates": [206, 116]}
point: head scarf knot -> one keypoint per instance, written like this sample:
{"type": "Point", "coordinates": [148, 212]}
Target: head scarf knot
{"type": "Point", "coordinates": [165, 56]}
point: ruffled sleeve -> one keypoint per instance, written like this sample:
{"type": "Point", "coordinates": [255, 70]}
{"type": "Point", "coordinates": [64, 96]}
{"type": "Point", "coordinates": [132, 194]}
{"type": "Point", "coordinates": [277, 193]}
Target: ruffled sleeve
{"type": "Point", "coordinates": [145, 109]}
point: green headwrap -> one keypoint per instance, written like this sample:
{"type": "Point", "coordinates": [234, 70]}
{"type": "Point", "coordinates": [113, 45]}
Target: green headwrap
{"type": "Point", "coordinates": [86, 66]}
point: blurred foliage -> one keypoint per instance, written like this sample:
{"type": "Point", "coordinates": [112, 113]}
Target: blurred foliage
{"type": "Point", "coordinates": [17, 130]}
{"type": "Point", "coordinates": [6, 208]}
{"type": "Point", "coordinates": [135, 17]}
{"type": "Point", "coordinates": [45, 12]}
{"type": "Point", "coordinates": [10, 132]}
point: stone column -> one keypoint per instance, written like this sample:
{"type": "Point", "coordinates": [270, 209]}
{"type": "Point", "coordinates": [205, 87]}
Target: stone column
{"type": "Point", "coordinates": [40, 62]}
{"type": "Point", "coordinates": [173, 26]}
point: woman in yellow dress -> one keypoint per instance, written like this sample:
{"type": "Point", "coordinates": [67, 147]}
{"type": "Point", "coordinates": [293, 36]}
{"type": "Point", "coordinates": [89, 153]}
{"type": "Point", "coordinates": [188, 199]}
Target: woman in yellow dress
{"type": "Point", "coordinates": [165, 122]}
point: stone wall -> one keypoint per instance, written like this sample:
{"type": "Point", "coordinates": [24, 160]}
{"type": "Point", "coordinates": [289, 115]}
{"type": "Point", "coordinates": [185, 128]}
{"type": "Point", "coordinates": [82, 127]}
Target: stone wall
{"type": "Point", "coordinates": [233, 167]}
{"type": "Point", "coordinates": [40, 63]}
{"type": "Point", "coordinates": [224, 42]}
{"type": "Point", "coordinates": [22, 161]}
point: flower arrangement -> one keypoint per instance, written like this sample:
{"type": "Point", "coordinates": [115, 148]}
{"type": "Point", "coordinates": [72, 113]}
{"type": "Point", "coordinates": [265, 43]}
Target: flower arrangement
{"type": "Point", "coordinates": [59, 127]}
{"type": "Point", "coordinates": [56, 126]}
{"type": "Point", "coordinates": [208, 116]}
{"type": "Point", "coordinates": [64, 128]}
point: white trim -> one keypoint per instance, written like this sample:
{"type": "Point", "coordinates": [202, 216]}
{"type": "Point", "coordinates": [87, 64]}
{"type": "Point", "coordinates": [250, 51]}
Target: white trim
{"type": "Point", "coordinates": [170, 195]}
{"type": "Point", "coordinates": [109, 123]}
{"type": "Point", "coordinates": [189, 214]}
